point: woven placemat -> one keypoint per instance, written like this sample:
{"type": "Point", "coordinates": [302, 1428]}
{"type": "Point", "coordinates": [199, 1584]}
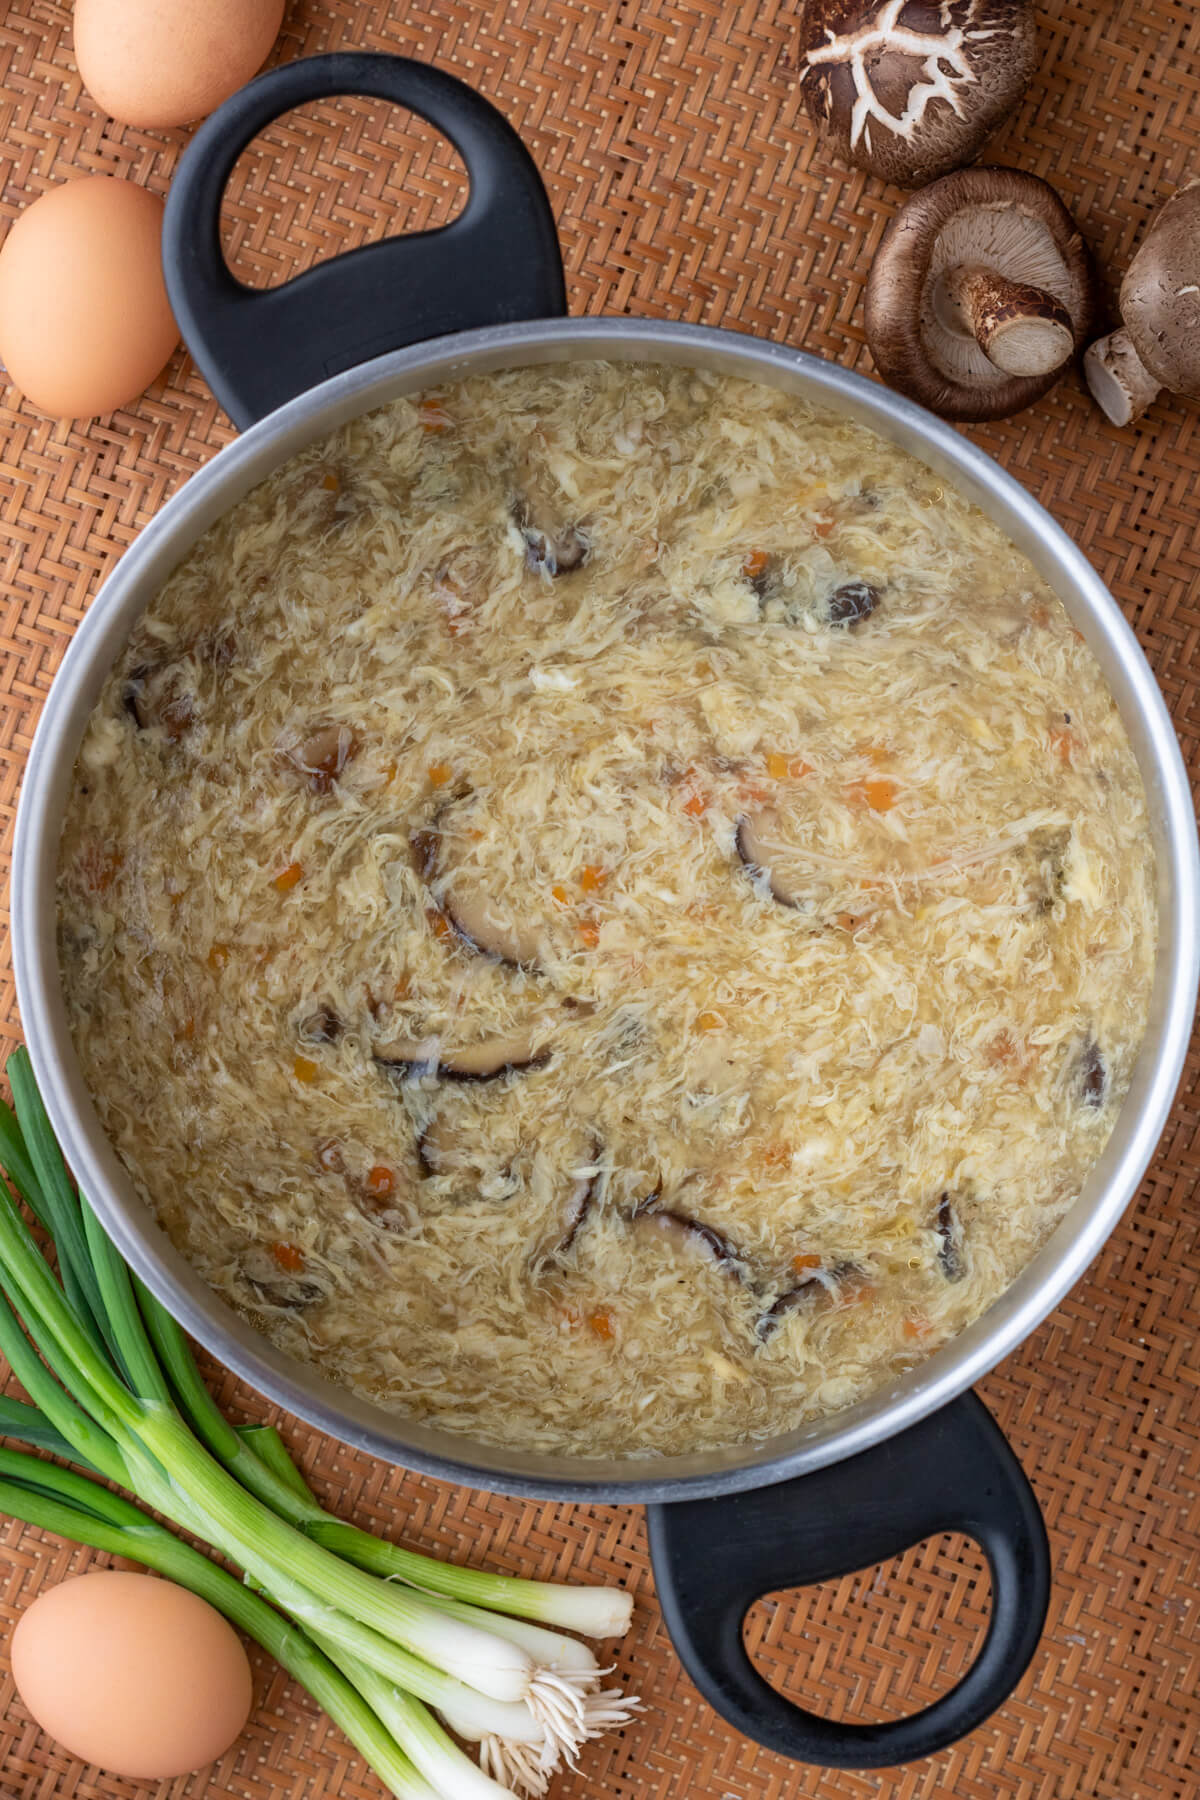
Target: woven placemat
{"type": "Point", "coordinates": [688, 185]}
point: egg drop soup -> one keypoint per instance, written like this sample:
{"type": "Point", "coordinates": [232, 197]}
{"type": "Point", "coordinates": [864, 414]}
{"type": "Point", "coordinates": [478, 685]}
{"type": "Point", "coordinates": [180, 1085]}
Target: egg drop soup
{"type": "Point", "coordinates": [607, 909]}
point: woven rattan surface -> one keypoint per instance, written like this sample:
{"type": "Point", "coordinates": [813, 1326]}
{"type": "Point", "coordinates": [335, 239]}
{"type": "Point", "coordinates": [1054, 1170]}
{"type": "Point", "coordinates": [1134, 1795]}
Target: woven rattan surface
{"type": "Point", "coordinates": [688, 185]}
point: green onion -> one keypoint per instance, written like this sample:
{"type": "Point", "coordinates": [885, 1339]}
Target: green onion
{"type": "Point", "coordinates": [47, 1190]}
{"type": "Point", "coordinates": [549, 1649]}
{"type": "Point", "coordinates": [29, 1426]}
{"type": "Point", "coordinates": [595, 1611]}
{"type": "Point", "coordinates": [378, 1634]}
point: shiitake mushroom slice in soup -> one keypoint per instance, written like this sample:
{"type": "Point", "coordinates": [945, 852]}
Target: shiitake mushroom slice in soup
{"type": "Point", "coordinates": [803, 1293]}
{"type": "Point", "coordinates": [438, 1146]}
{"type": "Point", "coordinates": [763, 854]}
{"type": "Point", "coordinates": [690, 1234]}
{"type": "Point", "coordinates": [464, 1159]}
{"type": "Point", "coordinates": [276, 1277]}
{"type": "Point", "coordinates": [952, 1258]}
{"type": "Point", "coordinates": [323, 1025]}
{"type": "Point", "coordinates": [761, 569]}
{"type": "Point", "coordinates": [813, 1287]}
{"type": "Point", "coordinates": [459, 1163]}
{"type": "Point", "coordinates": [1092, 1075]}
{"type": "Point", "coordinates": [549, 549]}
{"type": "Point", "coordinates": [451, 1144]}
{"type": "Point", "coordinates": [320, 753]}
{"type": "Point", "coordinates": [154, 695]}
{"type": "Point", "coordinates": [409, 1059]}
{"type": "Point", "coordinates": [584, 1185]}
{"type": "Point", "coordinates": [484, 925]}
{"type": "Point", "coordinates": [851, 603]}
{"type": "Point", "coordinates": [575, 1195]}
{"type": "Point", "coordinates": [478, 919]}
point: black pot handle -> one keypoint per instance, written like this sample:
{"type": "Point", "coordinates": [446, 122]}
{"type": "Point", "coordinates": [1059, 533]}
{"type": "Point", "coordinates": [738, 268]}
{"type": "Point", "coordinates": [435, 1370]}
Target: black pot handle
{"type": "Point", "coordinates": [499, 260]}
{"type": "Point", "coordinates": [955, 1471]}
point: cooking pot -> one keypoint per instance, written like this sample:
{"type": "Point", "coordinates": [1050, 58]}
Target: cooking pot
{"type": "Point", "coordinates": [918, 1457]}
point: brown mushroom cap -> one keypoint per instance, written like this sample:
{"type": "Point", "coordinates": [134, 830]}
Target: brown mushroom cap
{"type": "Point", "coordinates": [1159, 343]}
{"type": "Point", "coordinates": [1160, 295]}
{"type": "Point", "coordinates": [978, 220]}
{"type": "Point", "coordinates": [910, 89]}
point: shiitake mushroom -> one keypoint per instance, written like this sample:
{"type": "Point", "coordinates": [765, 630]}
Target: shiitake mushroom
{"type": "Point", "coordinates": [321, 754]}
{"type": "Point", "coordinates": [804, 1292]}
{"type": "Point", "coordinates": [583, 1180]}
{"type": "Point", "coordinates": [161, 690]}
{"type": "Point", "coordinates": [762, 571]}
{"type": "Point", "coordinates": [469, 910]}
{"type": "Point", "coordinates": [321, 1026]}
{"type": "Point", "coordinates": [557, 550]}
{"type": "Point", "coordinates": [152, 696]}
{"type": "Point", "coordinates": [445, 1151]}
{"type": "Point", "coordinates": [951, 1251]}
{"type": "Point", "coordinates": [690, 1233]}
{"type": "Point", "coordinates": [578, 1205]}
{"type": "Point", "coordinates": [1092, 1075]}
{"type": "Point", "coordinates": [466, 904]}
{"type": "Point", "coordinates": [851, 603]}
{"type": "Point", "coordinates": [870, 69]}
{"type": "Point", "coordinates": [812, 1287]}
{"type": "Point", "coordinates": [492, 1057]}
{"type": "Point", "coordinates": [272, 1285]}
{"type": "Point", "coordinates": [761, 857]}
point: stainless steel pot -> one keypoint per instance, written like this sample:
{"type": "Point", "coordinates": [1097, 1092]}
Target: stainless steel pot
{"type": "Point", "coordinates": [291, 365]}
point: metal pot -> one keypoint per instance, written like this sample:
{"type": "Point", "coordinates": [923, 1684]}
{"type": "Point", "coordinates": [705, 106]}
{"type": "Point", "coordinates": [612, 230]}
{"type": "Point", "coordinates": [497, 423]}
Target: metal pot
{"type": "Point", "coordinates": [918, 1457]}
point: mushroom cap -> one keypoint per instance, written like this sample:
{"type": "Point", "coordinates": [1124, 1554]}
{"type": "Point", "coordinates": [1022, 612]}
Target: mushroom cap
{"type": "Point", "coordinates": [991, 218]}
{"type": "Point", "coordinates": [910, 89]}
{"type": "Point", "coordinates": [1160, 295]}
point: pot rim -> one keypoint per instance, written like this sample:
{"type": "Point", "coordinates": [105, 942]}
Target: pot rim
{"type": "Point", "coordinates": [299, 1387]}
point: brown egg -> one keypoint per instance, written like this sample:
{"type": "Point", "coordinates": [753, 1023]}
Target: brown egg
{"type": "Point", "coordinates": [167, 62]}
{"type": "Point", "coordinates": [85, 324]}
{"type": "Point", "coordinates": [132, 1673]}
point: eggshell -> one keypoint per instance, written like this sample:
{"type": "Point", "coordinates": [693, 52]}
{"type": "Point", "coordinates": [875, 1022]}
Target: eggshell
{"type": "Point", "coordinates": [132, 1673]}
{"type": "Point", "coordinates": [85, 324]}
{"type": "Point", "coordinates": [166, 62]}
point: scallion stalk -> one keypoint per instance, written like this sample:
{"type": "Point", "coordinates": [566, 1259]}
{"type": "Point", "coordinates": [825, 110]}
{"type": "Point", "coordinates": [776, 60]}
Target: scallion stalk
{"type": "Point", "coordinates": [86, 1439]}
{"type": "Point", "coordinates": [416, 1731]}
{"type": "Point", "coordinates": [549, 1649]}
{"type": "Point", "coordinates": [29, 1426]}
{"type": "Point", "coordinates": [53, 1200]}
{"type": "Point", "coordinates": [500, 1718]}
{"type": "Point", "coordinates": [598, 1612]}
{"type": "Point", "coordinates": [269, 1448]}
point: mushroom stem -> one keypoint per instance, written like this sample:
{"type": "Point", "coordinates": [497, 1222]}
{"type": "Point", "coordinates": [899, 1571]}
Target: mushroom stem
{"type": "Point", "coordinates": [1021, 329]}
{"type": "Point", "coordinates": [1121, 383]}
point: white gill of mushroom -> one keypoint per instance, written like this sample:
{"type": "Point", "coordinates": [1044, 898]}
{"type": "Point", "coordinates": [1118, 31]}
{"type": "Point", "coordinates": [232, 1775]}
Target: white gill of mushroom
{"type": "Point", "coordinates": [997, 298]}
